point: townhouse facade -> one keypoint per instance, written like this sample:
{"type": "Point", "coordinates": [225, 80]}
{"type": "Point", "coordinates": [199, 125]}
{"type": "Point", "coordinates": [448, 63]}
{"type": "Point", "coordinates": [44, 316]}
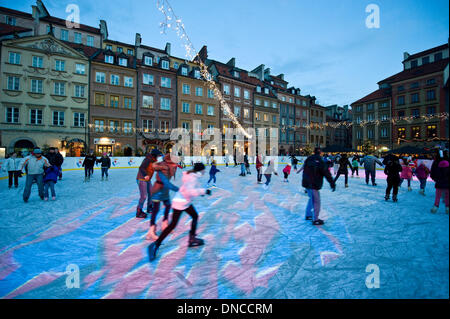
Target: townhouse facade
{"type": "Point", "coordinates": [339, 130]}
{"type": "Point", "coordinates": [317, 133]}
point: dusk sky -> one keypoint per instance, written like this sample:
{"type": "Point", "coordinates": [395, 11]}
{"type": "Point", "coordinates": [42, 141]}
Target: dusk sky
{"type": "Point", "coordinates": [322, 47]}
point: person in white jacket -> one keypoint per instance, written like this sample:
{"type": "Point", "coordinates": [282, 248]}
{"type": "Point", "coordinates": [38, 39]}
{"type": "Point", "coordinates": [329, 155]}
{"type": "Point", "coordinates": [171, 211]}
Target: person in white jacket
{"type": "Point", "coordinates": [12, 166]}
{"type": "Point", "coordinates": [182, 202]}
{"type": "Point", "coordinates": [34, 166]}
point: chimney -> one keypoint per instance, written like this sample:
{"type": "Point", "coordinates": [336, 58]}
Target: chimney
{"type": "Point", "coordinates": [41, 10]}
{"type": "Point", "coordinates": [266, 73]}
{"type": "Point", "coordinates": [259, 71]}
{"type": "Point", "coordinates": [167, 49]}
{"type": "Point", "coordinates": [405, 55]}
{"type": "Point", "coordinates": [232, 62]}
{"type": "Point", "coordinates": [281, 76]}
{"type": "Point", "coordinates": [203, 53]}
{"type": "Point", "coordinates": [35, 15]}
{"type": "Point", "coordinates": [137, 40]}
{"type": "Point", "coordinates": [104, 29]}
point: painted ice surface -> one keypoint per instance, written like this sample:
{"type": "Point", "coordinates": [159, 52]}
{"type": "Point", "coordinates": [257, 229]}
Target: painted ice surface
{"type": "Point", "coordinates": [258, 244]}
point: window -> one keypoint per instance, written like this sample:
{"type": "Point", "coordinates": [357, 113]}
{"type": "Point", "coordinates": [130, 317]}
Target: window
{"type": "Point", "coordinates": [438, 56]}
{"type": "Point", "coordinates": [415, 132]}
{"type": "Point", "coordinates": [198, 127]}
{"type": "Point", "coordinates": [257, 116]}
{"type": "Point", "coordinates": [210, 129]}
{"type": "Point", "coordinates": [414, 64]}
{"type": "Point", "coordinates": [165, 82]}
{"type": "Point", "coordinates": [10, 20]}
{"type": "Point", "coordinates": [431, 131]}
{"type": "Point", "coordinates": [147, 125]}
{"type": "Point", "coordinates": [80, 68]}
{"type": "Point", "coordinates": [370, 133]}
{"type": "Point", "coordinates": [60, 88]}
{"type": "Point", "coordinates": [425, 60]}
{"type": "Point", "coordinates": [127, 127]}
{"type": "Point", "coordinates": [64, 35]}
{"type": "Point", "coordinates": [165, 104]}
{"type": "Point", "coordinates": [184, 71]}
{"type": "Point", "coordinates": [291, 100]}
{"type": "Point", "coordinates": [100, 77]}
{"type": "Point", "coordinates": [266, 103]}
{"type": "Point", "coordinates": [274, 105]}
{"type": "Point", "coordinates": [274, 119]}
{"type": "Point", "coordinates": [358, 135]}
{"type": "Point", "coordinates": [36, 86]}
{"type": "Point", "coordinates": [246, 94]}
{"type": "Point", "coordinates": [90, 40]}
{"type": "Point", "coordinates": [60, 65]}
{"type": "Point", "coordinates": [199, 91]}
{"type": "Point", "coordinates": [210, 93]}
{"type": "Point", "coordinates": [165, 64]}
{"type": "Point", "coordinates": [266, 117]}
{"type": "Point", "coordinates": [113, 126]}
{"type": "Point", "coordinates": [114, 101]}
{"type": "Point", "coordinates": [123, 62]}
{"type": "Point", "coordinates": [383, 104]}
{"type": "Point", "coordinates": [36, 116]}
{"type": "Point", "coordinates": [257, 102]}
{"type": "Point", "coordinates": [77, 37]}
{"type": "Point", "coordinates": [147, 101]}
{"type": "Point", "coordinates": [415, 113]}
{"type": "Point", "coordinates": [384, 132]}
{"type": "Point", "coordinates": [147, 79]}
{"type": "Point", "coordinates": [58, 118]}
{"type": "Point", "coordinates": [401, 132]}
{"type": "Point", "coordinates": [237, 110]}
{"type": "Point", "coordinates": [414, 85]}
{"type": "Point", "coordinates": [283, 98]}
{"type": "Point", "coordinates": [370, 106]}
{"type": "Point", "coordinates": [431, 81]}
{"type": "Point", "coordinates": [226, 89]}
{"type": "Point", "coordinates": [164, 126]}
{"type": "Point", "coordinates": [79, 90]}
{"type": "Point", "coordinates": [236, 74]}
{"type": "Point", "coordinates": [186, 89]}
{"type": "Point", "coordinates": [258, 89]}
{"type": "Point", "coordinates": [198, 109]}
{"type": "Point", "coordinates": [109, 59]}
{"type": "Point", "coordinates": [431, 110]}
{"type": "Point", "coordinates": [400, 88]}
{"type": "Point", "coordinates": [401, 100]}
{"type": "Point", "coordinates": [99, 99]}
{"type": "Point", "coordinates": [246, 113]}
{"type": "Point", "coordinates": [358, 108]}
{"type": "Point", "coordinates": [185, 107]}
{"type": "Point", "coordinates": [415, 98]}
{"type": "Point", "coordinates": [130, 52]}
{"type": "Point", "coordinates": [12, 115]}
{"type": "Point", "coordinates": [99, 125]}
{"type": "Point", "coordinates": [128, 81]}
{"type": "Point", "coordinates": [431, 95]}
{"type": "Point", "coordinates": [237, 91]}
{"type": "Point", "coordinates": [128, 102]}
{"type": "Point", "coordinates": [119, 49]}
{"type": "Point", "coordinates": [78, 119]}
{"type": "Point", "coordinates": [148, 60]}
{"type": "Point", "coordinates": [211, 110]}
{"type": "Point", "coordinates": [108, 47]}
{"type": "Point", "coordinates": [176, 65]}
{"type": "Point", "coordinates": [185, 125]}
{"type": "Point", "coordinates": [115, 79]}
{"type": "Point", "coordinates": [197, 74]}
{"type": "Point", "coordinates": [37, 61]}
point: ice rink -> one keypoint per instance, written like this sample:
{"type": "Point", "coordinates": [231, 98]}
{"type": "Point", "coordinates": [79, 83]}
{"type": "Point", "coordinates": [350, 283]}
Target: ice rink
{"type": "Point", "coordinates": [258, 244]}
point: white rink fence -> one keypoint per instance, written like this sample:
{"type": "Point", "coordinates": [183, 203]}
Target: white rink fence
{"type": "Point", "coordinates": [121, 162]}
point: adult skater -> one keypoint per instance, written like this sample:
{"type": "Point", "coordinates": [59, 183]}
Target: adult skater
{"type": "Point", "coordinates": [369, 162]}
{"type": "Point", "coordinates": [314, 170]}
{"type": "Point", "coordinates": [88, 164]}
{"type": "Point", "coordinates": [160, 190]}
{"type": "Point", "coordinates": [12, 166]}
{"type": "Point", "coordinates": [34, 166]}
{"type": "Point", "coordinates": [182, 202]}
{"type": "Point", "coordinates": [422, 173]}
{"type": "Point", "coordinates": [50, 179]}
{"type": "Point", "coordinates": [406, 174]}
{"type": "Point", "coordinates": [55, 159]}
{"type": "Point", "coordinates": [392, 169]}
{"type": "Point", "coordinates": [105, 165]}
{"type": "Point", "coordinates": [440, 173]}
{"type": "Point", "coordinates": [294, 162]}
{"type": "Point", "coordinates": [344, 164]}
{"type": "Point", "coordinates": [60, 159]}
{"type": "Point", "coordinates": [336, 160]}
{"type": "Point", "coordinates": [143, 179]}
{"type": "Point", "coordinates": [269, 169]}
{"type": "Point", "coordinates": [247, 165]}
{"type": "Point", "coordinates": [212, 173]}
{"type": "Point", "coordinates": [259, 167]}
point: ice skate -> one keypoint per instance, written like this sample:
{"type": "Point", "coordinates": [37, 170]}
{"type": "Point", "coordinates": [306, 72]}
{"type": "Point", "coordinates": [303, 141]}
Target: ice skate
{"type": "Point", "coordinates": [53, 197]}
{"type": "Point", "coordinates": [318, 222]}
{"type": "Point", "coordinates": [422, 192]}
{"type": "Point", "coordinates": [194, 241]}
{"type": "Point", "coordinates": [103, 178]}
{"type": "Point", "coordinates": [386, 198]}
{"type": "Point", "coordinates": [46, 199]}
{"type": "Point", "coordinates": [346, 185]}
{"type": "Point", "coordinates": [308, 218]}
{"type": "Point", "coordinates": [152, 249]}
{"type": "Point", "coordinates": [140, 213]}
{"type": "Point", "coordinates": [265, 187]}
{"type": "Point", "coordinates": [151, 234]}
{"type": "Point", "coordinates": [435, 209]}
{"type": "Point", "coordinates": [394, 198]}
{"type": "Point", "coordinates": [409, 189]}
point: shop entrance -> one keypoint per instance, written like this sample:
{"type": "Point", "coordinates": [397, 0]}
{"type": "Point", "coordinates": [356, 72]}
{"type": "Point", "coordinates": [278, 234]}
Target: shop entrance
{"type": "Point", "coordinates": [104, 149]}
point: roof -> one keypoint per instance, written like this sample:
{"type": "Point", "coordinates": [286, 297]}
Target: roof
{"type": "Point", "coordinates": [86, 50]}
{"type": "Point", "coordinates": [59, 21]}
{"type": "Point", "coordinates": [426, 52]}
{"type": "Point", "coordinates": [429, 68]}
{"type": "Point", "coordinates": [118, 43]}
{"type": "Point", "coordinates": [6, 29]}
{"type": "Point", "coordinates": [375, 95]}
{"type": "Point", "coordinates": [152, 48]}
{"type": "Point", "coordinates": [225, 70]}
{"type": "Point", "coordinates": [16, 12]}
{"type": "Point", "coordinates": [100, 57]}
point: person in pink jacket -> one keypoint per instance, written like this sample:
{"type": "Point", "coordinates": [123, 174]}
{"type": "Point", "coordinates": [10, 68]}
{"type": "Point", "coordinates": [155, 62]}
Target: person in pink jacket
{"type": "Point", "coordinates": [286, 172]}
{"type": "Point", "coordinates": [406, 174]}
{"type": "Point", "coordinates": [182, 202]}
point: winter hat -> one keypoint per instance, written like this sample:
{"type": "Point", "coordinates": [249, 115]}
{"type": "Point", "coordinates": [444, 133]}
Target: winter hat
{"type": "Point", "coordinates": [37, 150]}
{"type": "Point", "coordinates": [155, 152]}
{"type": "Point", "coordinates": [199, 167]}
{"type": "Point", "coordinates": [443, 164]}
{"type": "Point", "coordinates": [317, 150]}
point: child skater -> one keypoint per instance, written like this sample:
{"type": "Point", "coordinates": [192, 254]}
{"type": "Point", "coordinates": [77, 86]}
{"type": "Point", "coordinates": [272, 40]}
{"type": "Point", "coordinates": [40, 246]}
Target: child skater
{"type": "Point", "coordinates": [286, 172]}
{"type": "Point", "coordinates": [212, 173]}
{"type": "Point", "coordinates": [50, 179]}
{"type": "Point", "coordinates": [259, 167]}
{"type": "Point", "coordinates": [355, 166]}
{"type": "Point", "coordinates": [440, 173]}
{"type": "Point", "coordinates": [182, 202]}
{"type": "Point", "coordinates": [268, 173]}
{"type": "Point", "coordinates": [406, 173]}
{"type": "Point", "coordinates": [392, 170]}
{"type": "Point", "coordinates": [422, 173]}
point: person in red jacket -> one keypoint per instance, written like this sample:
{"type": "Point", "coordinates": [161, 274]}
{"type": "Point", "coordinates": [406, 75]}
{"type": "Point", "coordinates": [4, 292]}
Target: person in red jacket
{"type": "Point", "coordinates": [286, 172]}
{"type": "Point", "coordinates": [143, 179]}
{"type": "Point", "coordinates": [422, 173]}
{"type": "Point", "coordinates": [259, 166]}
{"type": "Point", "coordinates": [406, 174]}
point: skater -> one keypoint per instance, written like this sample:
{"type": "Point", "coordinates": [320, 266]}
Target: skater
{"type": "Point", "coordinates": [369, 162]}
{"type": "Point", "coordinates": [55, 158]}
{"type": "Point", "coordinates": [355, 166]}
{"type": "Point", "coordinates": [143, 179]}
{"type": "Point", "coordinates": [406, 174]}
{"type": "Point", "coordinates": [259, 168]}
{"type": "Point", "coordinates": [50, 179]}
{"type": "Point", "coordinates": [294, 162]}
{"type": "Point", "coordinates": [286, 172]}
{"type": "Point", "coordinates": [60, 158]}
{"type": "Point", "coordinates": [105, 162]}
{"type": "Point", "coordinates": [34, 166]}
{"type": "Point", "coordinates": [392, 170]}
{"type": "Point", "coordinates": [268, 173]}
{"type": "Point", "coordinates": [165, 170]}
{"type": "Point", "coordinates": [12, 166]}
{"type": "Point", "coordinates": [225, 158]}
{"type": "Point", "coordinates": [88, 164]}
{"type": "Point", "coordinates": [212, 173]}
{"type": "Point", "coordinates": [344, 164]}
{"type": "Point", "coordinates": [422, 173]}
{"type": "Point", "coordinates": [314, 170]}
{"type": "Point", "coordinates": [182, 202]}
{"type": "Point", "coordinates": [336, 160]}
{"type": "Point", "coordinates": [242, 169]}
{"type": "Point", "coordinates": [440, 173]}
{"type": "Point", "coordinates": [247, 165]}
{"type": "Point", "coordinates": [235, 160]}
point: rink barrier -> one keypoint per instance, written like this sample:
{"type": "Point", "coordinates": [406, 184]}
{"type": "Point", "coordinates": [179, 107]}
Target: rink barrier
{"type": "Point", "coordinates": [75, 163]}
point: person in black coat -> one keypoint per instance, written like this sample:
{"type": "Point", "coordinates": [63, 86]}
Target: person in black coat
{"type": "Point", "coordinates": [392, 169]}
{"type": "Point", "coordinates": [105, 162]}
{"type": "Point", "coordinates": [314, 170]}
{"type": "Point", "coordinates": [344, 164]}
{"type": "Point", "coordinates": [440, 173]}
{"type": "Point", "coordinates": [88, 164]}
